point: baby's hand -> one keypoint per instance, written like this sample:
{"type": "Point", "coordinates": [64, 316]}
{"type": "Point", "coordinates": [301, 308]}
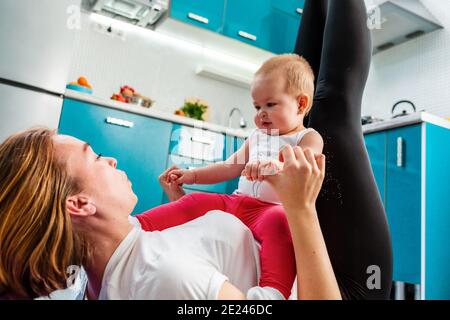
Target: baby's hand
{"type": "Point", "coordinates": [181, 176]}
{"type": "Point", "coordinates": [256, 171]}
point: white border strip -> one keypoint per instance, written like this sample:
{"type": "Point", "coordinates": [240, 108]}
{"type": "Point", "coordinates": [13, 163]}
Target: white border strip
{"type": "Point", "coordinates": [436, 120]}
{"type": "Point", "coordinates": [423, 211]}
{"type": "Point", "coordinates": [406, 121]}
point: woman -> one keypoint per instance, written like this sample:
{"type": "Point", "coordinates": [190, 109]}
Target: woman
{"type": "Point", "coordinates": [62, 204]}
{"type": "Point", "coordinates": [335, 40]}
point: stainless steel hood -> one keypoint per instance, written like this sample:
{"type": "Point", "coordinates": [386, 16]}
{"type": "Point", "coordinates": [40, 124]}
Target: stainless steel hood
{"type": "Point", "coordinates": [397, 21]}
{"type": "Point", "coordinates": [144, 13]}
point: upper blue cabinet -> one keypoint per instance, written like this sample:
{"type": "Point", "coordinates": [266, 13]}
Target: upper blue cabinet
{"type": "Point", "coordinates": [207, 14]}
{"type": "Point", "coordinates": [291, 7]}
{"type": "Point", "coordinates": [271, 25]}
{"type": "Point", "coordinates": [248, 21]}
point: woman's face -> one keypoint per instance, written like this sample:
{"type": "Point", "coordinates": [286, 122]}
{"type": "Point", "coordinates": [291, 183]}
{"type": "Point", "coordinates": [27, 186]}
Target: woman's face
{"type": "Point", "coordinates": [106, 187]}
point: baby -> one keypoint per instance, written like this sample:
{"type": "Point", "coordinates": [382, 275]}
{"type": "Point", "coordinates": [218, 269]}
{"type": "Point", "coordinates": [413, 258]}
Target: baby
{"type": "Point", "coordinates": [282, 92]}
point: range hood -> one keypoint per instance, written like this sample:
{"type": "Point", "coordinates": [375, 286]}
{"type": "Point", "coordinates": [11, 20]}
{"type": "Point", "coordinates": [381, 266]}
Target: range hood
{"type": "Point", "coordinates": [398, 21]}
{"type": "Point", "coordinates": [144, 13]}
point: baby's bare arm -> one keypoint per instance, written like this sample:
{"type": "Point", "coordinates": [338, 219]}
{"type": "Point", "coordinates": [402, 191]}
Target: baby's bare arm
{"type": "Point", "coordinates": [312, 140]}
{"type": "Point", "coordinates": [223, 171]}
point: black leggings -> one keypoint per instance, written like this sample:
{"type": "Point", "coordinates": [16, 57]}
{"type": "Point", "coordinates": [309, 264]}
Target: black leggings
{"type": "Point", "coordinates": [334, 38]}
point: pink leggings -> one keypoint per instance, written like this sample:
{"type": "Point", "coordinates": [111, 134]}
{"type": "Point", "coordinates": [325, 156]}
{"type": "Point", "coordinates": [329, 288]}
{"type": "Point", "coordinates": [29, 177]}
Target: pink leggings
{"type": "Point", "coordinates": [267, 222]}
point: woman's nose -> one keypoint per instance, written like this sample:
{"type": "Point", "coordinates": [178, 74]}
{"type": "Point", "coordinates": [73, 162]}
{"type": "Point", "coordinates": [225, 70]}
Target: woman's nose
{"type": "Point", "coordinates": [112, 162]}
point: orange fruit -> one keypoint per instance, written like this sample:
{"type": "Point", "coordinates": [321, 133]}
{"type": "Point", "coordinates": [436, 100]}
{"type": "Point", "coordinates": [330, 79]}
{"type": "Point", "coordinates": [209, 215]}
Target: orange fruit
{"type": "Point", "coordinates": [82, 81]}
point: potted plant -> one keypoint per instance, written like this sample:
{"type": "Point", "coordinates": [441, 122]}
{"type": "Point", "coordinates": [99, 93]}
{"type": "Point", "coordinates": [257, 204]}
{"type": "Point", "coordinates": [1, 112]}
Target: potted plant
{"type": "Point", "coordinates": [193, 108]}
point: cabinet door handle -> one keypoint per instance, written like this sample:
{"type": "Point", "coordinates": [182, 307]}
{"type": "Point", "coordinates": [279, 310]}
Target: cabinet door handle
{"type": "Point", "coordinates": [198, 18]}
{"type": "Point", "coordinates": [247, 35]}
{"type": "Point", "coordinates": [119, 122]}
{"type": "Point", "coordinates": [202, 140]}
{"type": "Point", "coordinates": [399, 152]}
{"type": "Point", "coordinates": [299, 10]}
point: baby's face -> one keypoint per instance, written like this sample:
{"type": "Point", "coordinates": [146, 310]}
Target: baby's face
{"type": "Point", "coordinates": [276, 109]}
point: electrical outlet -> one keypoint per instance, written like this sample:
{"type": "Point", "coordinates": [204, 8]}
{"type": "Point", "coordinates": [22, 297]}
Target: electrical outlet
{"type": "Point", "coordinates": [109, 30]}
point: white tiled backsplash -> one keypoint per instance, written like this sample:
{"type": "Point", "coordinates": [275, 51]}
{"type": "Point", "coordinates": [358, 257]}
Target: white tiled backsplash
{"type": "Point", "coordinates": [418, 70]}
{"type": "Point", "coordinates": [161, 69]}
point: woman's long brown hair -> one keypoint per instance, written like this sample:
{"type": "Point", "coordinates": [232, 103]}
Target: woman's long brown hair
{"type": "Point", "coordinates": [37, 241]}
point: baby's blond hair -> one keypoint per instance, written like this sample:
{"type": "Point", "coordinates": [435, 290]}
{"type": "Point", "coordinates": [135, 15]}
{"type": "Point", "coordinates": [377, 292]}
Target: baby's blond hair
{"type": "Point", "coordinates": [297, 72]}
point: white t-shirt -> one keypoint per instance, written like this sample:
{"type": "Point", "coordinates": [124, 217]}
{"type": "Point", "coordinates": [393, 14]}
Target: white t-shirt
{"type": "Point", "coordinates": [191, 261]}
{"type": "Point", "coordinates": [266, 147]}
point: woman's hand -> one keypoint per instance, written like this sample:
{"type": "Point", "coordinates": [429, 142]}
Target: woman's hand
{"type": "Point", "coordinates": [298, 186]}
{"type": "Point", "coordinates": [258, 170]}
{"type": "Point", "coordinates": [173, 190]}
{"type": "Point", "coordinates": [299, 183]}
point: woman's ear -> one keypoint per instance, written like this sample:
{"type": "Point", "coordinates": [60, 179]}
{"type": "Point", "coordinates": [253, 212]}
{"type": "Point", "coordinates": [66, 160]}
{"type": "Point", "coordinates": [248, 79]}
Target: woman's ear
{"type": "Point", "coordinates": [303, 102]}
{"type": "Point", "coordinates": [80, 206]}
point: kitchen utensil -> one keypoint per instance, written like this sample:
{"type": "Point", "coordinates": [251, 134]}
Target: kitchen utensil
{"type": "Point", "coordinates": [404, 112]}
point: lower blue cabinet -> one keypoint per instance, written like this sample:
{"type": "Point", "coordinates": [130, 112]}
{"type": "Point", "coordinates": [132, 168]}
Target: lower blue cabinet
{"type": "Point", "coordinates": [140, 144]}
{"type": "Point", "coordinates": [376, 148]}
{"type": "Point", "coordinates": [410, 166]}
{"type": "Point", "coordinates": [403, 200]}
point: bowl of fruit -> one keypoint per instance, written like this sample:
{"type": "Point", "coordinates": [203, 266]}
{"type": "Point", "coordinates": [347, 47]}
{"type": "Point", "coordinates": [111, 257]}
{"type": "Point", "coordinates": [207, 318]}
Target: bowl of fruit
{"type": "Point", "coordinates": [81, 85]}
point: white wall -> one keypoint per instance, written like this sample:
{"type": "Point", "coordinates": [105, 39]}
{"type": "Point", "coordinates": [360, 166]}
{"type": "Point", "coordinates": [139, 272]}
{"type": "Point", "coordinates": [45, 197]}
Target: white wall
{"type": "Point", "coordinates": [418, 70]}
{"type": "Point", "coordinates": [160, 68]}
{"type": "Point", "coordinates": [156, 66]}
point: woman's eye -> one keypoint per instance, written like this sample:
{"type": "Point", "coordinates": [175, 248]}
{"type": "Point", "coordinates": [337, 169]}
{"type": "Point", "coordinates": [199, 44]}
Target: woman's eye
{"type": "Point", "coordinates": [98, 157]}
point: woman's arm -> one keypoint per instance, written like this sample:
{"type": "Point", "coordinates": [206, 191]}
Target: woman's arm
{"type": "Point", "coordinates": [298, 186]}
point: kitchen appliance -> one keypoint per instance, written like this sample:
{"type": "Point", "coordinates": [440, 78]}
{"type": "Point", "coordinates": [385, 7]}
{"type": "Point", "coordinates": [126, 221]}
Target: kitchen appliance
{"type": "Point", "coordinates": [369, 119]}
{"type": "Point", "coordinates": [396, 21]}
{"type": "Point", "coordinates": [143, 13]}
{"type": "Point", "coordinates": [37, 44]}
{"type": "Point", "coordinates": [404, 112]}
{"type": "Point", "coordinates": [37, 40]}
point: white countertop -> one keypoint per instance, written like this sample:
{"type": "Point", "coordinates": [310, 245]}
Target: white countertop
{"type": "Point", "coordinates": [417, 117]}
{"type": "Point", "coordinates": [153, 113]}
{"type": "Point", "coordinates": [402, 121]}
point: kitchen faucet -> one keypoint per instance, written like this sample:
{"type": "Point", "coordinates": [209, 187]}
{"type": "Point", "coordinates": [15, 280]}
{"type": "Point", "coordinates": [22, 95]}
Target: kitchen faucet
{"type": "Point", "coordinates": [242, 122]}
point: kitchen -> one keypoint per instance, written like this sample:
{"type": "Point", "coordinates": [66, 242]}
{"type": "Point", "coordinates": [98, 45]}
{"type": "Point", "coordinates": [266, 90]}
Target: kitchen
{"type": "Point", "coordinates": [127, 83]}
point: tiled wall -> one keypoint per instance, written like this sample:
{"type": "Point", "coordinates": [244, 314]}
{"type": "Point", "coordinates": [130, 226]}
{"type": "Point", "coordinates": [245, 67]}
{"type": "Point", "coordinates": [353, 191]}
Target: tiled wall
{"type": "Point", "coordinates": [418, 70]}
{"type": "Point", "coordinates": [161, 68]}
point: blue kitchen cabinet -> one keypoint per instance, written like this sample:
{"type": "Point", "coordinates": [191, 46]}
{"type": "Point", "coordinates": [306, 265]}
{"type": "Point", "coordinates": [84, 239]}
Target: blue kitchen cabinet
{"type": "Point", "coordinates": [196, 147]}
{"type": "Point", "coordinates": [403, 194]}
{"type": "Point", "coordinates": [268, 24]}
{"type": "Point", "coordinates": [206, 14]}
{"type": "Point", "coordinates": [285, 21]}
{"type": "Point", "coordinates": [415, 181]}
{"type": "Point", "coordinates": [234, 144]}
{"type": "Point", "coordinates": [189, 163]}
{"type": "Point", "coordinates": [376, 148]}
{"type": "Point", "coordinates": [291, 7]}
{"type": "Point", "coordinates": [140, 144]}
{"type": "Point", "coordinates": [436, 210]}
{"type": "Point", "coordinates": [283, 34]}
{"type": "Point", "coordinates": [248, 21]}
